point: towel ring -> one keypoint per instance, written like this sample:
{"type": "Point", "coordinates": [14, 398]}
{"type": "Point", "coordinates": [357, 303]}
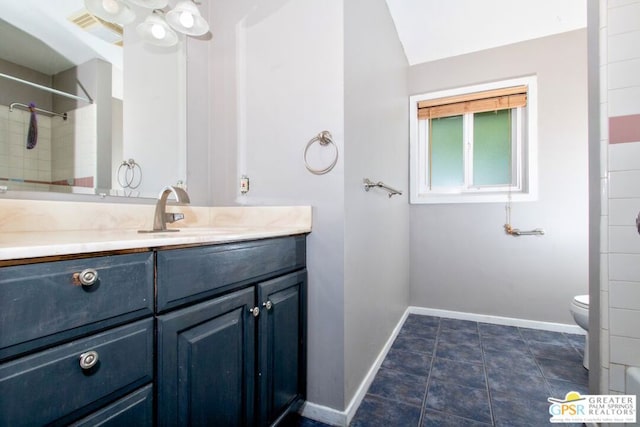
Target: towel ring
{"type": "Point", "coordinates": [324, 138]}
{"type": "Point", "coordinates": [128, 179]}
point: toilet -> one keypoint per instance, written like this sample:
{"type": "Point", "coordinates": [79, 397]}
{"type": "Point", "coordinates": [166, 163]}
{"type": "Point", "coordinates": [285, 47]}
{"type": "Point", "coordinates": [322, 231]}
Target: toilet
{"type": "Point", "coordinates": [580, 313]}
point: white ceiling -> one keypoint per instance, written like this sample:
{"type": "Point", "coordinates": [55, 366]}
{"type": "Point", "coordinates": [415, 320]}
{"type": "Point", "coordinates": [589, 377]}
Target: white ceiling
{"type": "Point", "coordinates": [428, 29]}
{"type": "Point", "coordinates": [51, 43]}
{"type": "Point", "coordinates": [436, 29]}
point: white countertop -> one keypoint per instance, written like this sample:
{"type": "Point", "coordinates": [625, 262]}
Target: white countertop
{"type": "Point", "coordinates": [32, 244]}
{"type": "Point", "coordinates": [34, 229]}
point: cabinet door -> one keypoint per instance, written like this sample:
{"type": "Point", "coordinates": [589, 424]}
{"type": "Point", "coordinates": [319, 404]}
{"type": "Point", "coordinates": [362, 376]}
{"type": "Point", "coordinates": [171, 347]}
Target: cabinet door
{"type": "Point", "coordinates": [206, 365]}
{"type": "Point", "coordinates": [282, 350]}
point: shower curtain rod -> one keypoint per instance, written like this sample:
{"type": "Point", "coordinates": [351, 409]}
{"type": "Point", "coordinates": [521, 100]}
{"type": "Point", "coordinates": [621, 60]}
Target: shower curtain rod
{"type": "Point", "coordinates": [38, 110]}
{"type": "Point", "coordinates": [46, 88]}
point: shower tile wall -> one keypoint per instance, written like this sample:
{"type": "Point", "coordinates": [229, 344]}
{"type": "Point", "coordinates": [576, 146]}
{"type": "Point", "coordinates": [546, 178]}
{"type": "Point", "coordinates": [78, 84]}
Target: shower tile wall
{"type": "Point", "coordinates": [620, 177]}
{"type": "Point", "coordinates": [66, 149]}
{"type": "Point", "coordinates": [16, 162]}
{"type": "Point", "coordinates": [74, 145]}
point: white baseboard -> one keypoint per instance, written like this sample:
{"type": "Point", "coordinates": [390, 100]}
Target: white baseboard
{"type": "Point", "coordinates": [499, 320]}
{"type": "Point", "coordinates": [334, 417]}
{"type": "Point", "coordinates": [324, 414]}
{"type": "Point", "coordinates": [368, 379]}
{"type": "Point", "coordinates": [343, 418]}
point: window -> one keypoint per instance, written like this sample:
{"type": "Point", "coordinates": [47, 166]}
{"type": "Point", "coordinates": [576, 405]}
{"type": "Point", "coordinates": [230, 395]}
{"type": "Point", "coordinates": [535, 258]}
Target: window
{"type": "Point", "coordinates": [474, 144]}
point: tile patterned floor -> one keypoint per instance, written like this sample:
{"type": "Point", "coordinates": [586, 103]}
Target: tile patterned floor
{"type": "Point", "coordinates": [448, 372]}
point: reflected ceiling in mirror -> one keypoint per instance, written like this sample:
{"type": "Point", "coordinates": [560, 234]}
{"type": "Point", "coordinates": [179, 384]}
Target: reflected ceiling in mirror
{"type": "Point", "coordinates": [123, 130]}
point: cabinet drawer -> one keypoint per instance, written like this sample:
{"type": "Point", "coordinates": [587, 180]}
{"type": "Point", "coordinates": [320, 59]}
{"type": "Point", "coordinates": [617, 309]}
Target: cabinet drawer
{"type": "Point", "coordinates": [52, 387]}
{"type": "Point", "coordinates": [187, 275]}
{"type": "Point", "coordinates": [41, 304]}
{"type": "Point", "coordinates": [136, 409]}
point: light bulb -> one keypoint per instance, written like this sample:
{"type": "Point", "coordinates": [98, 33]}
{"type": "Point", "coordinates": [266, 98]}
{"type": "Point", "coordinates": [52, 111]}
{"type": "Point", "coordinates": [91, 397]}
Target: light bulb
{"type": "Point", "coordinates": [158, 31]}
{"type": "Point", "coordinates": [111, 6]}
{"type": "Point", "coordinates": [186, 19]}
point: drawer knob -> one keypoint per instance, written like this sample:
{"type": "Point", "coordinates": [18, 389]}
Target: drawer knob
{"type": "Point", "coordinates": [88, 277]}
{"type": "Point", "coordinates": [88, 360]}
{"type": "Point", "coordinates": [268, 305]}
{"type": "Point", "coordinates": [255, 311]}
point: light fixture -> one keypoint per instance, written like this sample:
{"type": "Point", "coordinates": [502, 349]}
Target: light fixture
{"type": "Point", "coordinates": [186, 18]}
{"type": "Point", "coordinates": [155, 30]}
{"type": "Point", "coordinates": [116, 11]}
{"type": "Point", "coordinates": [150, 4]}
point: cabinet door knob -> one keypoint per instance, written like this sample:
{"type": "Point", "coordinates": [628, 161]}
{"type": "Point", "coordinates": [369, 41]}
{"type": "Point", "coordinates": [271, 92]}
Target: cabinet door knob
{"type": "Point", "coordinates": [88, 360]}
{"type": "Point", "coordinates": [268, 305]}
{"type": "Point", "coordinates": [88, 277]}
{"type": "Point", "coordinates": [255, 311]}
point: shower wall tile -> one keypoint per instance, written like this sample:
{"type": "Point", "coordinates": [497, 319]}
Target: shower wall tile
{"type": "Point", "coordinates": [604, 350]}
{"type": "Point", "coordinates": [624, 323]}
{"type": "Point", "coordinates": [624, 19]}
{"type": "Point", "coordinates": [604, 195]}
{"type": "Point", "coordinates": [604, 272]}
{"type": "Point", "coordinates": [625, 351]}
{"type": "Point", "coordinates": [624, 295]}
{"type": "Point", "coordinates": [624, 239]}
{"type": "Point", "coordinates": [617, 377]}
{"type": "Point", "coordinates": [604, 91]}
{"type": "Point", "coordinates": [624, 157]}
{"type": "Point", "coordinates": [604, 380]}
{"type": "Point", "coordinates": [624, 267]}
{"type": "Point", "coordinates": [624, 184]}
{"type": "Point", "coordinates": [622, 47]}
{"type": "Point", "coordinates": [604, 309]}
{"type": "Point", "coordinates": [624, 74]}
{"type": "Point", "coordinates": [623, 211]}
{"type": "Point", "coordinates": [616, 3]}
{"type": "Point", "coordinates": [624, 102]}
{"type": "Point", "coordinates": [604, 234]}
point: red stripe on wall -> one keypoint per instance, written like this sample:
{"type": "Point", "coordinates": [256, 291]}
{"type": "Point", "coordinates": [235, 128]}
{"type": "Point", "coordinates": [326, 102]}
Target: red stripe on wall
{"type": "Point", "coordinates": [624, 129]}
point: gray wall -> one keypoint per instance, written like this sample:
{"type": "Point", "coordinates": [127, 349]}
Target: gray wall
{"type": "Point", "coordinates": [275, 81]}
{"type": "Point", "coordinates": [280, 71]}
{"type": "Point", "coordinates": [376, 147]}
{"type": "Point", "coordinates": [461, 258]}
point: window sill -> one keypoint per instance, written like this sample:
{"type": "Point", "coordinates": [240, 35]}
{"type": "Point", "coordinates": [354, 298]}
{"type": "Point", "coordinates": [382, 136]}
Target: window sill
{"type": "Point", "coordinates": [433, 198]}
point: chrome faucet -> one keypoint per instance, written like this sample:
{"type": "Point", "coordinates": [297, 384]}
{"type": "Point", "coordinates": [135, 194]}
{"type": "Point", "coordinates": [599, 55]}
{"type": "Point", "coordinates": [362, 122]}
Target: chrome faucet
{"type": "Point", "coordinates": [161, 217]}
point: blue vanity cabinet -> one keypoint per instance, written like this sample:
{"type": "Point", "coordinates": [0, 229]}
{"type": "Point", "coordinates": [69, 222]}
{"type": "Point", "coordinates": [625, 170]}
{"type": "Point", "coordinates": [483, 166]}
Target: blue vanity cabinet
{"type": "Point", "coordinates": [282, 348]}
{"type": "Point", "coordinates": [206, 363]}
{"type": "Point", "coordinates": [237, 358]}
{"type": "Point", "coordinates": [70, 350]}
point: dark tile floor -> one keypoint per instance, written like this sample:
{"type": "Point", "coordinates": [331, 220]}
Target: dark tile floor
{"type": "Point", "coordinates": [448, 372]}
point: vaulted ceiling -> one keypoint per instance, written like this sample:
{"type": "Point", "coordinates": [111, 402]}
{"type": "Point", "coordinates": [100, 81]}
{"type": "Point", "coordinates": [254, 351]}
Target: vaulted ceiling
{"type": "Point", "coordinates": [436, 29]}
{"type": "Point", "coordinates": [428, 29]}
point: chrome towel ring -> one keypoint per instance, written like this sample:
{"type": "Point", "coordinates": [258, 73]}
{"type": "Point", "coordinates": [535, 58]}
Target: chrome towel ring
{"type": "Point", "coordinates": [324, 138]}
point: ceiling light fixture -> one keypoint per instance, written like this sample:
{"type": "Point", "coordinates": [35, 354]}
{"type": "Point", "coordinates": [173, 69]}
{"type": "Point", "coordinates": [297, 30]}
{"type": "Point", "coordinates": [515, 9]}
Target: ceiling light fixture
{"type": "Point", "coordinates": [157, 28]}
{"type": "Point", "coordinates": [186, 18]}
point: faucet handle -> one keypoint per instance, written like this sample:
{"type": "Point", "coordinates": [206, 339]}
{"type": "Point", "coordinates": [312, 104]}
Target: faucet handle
{"type": "Point", "coordinates": [173, 216]}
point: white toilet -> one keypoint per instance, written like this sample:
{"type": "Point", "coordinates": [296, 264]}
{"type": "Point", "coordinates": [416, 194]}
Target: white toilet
{"type": "Point", "coordinates": [580, 312]}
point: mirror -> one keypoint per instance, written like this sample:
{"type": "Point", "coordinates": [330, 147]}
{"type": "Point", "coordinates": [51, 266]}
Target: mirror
{"type": "Point", "coordinates": [115, 123]}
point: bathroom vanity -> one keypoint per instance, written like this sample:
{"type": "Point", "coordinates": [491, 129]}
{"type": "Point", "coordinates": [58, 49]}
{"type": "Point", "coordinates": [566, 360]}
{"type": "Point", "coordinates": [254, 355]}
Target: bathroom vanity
{"type": "Point", "coordinates": [166, 331]}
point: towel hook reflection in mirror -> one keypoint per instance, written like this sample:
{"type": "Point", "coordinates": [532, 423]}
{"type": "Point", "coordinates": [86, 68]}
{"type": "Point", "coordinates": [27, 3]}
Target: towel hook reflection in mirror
{"type": "Point", "coordinates": [323, 138]}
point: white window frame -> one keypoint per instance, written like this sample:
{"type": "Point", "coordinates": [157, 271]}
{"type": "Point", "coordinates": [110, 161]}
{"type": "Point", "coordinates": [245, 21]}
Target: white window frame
{"type": "Point", "coordinates": [525, 146]}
